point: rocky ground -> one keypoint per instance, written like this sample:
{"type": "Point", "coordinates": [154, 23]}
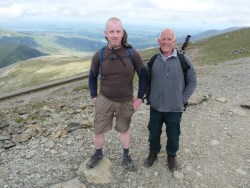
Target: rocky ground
{"type": "Point", "coordinates": [45, 138]}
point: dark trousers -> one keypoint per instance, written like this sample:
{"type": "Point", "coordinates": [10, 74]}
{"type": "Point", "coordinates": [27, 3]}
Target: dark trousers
{"type": "Point", "coordinates": [172, 121]}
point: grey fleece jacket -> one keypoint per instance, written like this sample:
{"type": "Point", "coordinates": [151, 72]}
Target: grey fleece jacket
{"type": "Point", "coordinates": [168, 90]}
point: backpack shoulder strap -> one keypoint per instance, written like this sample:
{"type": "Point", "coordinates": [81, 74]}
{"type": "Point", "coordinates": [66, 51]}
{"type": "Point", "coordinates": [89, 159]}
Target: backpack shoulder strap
{"type": "Point", "coordinates": [150, 65]}
{"type": "Point", "coordinates": [130, 53]}
{"type": "Point", "coordinates": [151, 61]}
{"type": "Point", "coordinates": [149, 70]}
{"type": "Point", "coordinates": [101, 57]}
{"type": "Point", "coordinates": [184, 65]}
{"type": "Point", "coordinates": [101, 54]}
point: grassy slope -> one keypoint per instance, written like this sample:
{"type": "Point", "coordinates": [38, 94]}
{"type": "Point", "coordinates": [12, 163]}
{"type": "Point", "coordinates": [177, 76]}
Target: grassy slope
{"type": "Point", "coordinates": [13, 53]}
{"type": "Point", "coordinates": [222, 47]}
{"type": "Point", "coordinates": [43, 69]}
{"type": "Point", "coordinates": [147, 53]}
{"type": "Point", "coordinates": [47, 42]}
{"type": "Point", "coordinates": [5, 50]}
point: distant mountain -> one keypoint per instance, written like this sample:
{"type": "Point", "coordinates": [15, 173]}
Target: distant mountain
{"type": "Point", "coordinates": [79, 43]}
{"type": "Point", "coordinates": [229, 45]}
{"type": "Point", "coordinates": [13, 53]}
{"type": "Point", "coordinates": [84, 41]}
{"type": "Point", "coordinates": [213, 50]}
{"type": "Point", "coordinates": [207, 34]}
{"type": "Point", "coordinates": [28, 41]}
{"type": "Point", "coordinates": [222, 47]}
{"type": "Point", "coordinates": [52, 43]}
{"type": "Point", "coordinates": [211, 33]}
{"type": "Point", "coordinates": [18, 46]}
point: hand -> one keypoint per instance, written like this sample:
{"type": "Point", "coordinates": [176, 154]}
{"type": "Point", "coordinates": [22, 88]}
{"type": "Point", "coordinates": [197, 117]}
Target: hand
{"type": "Point", "coordinates": [185, 106]}
{"type": "Point", "coordinates": [137, 103]}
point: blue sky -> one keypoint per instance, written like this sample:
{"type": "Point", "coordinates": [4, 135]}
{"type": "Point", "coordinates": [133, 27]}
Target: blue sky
{"type": "Point", "coordinates": [214, 14]}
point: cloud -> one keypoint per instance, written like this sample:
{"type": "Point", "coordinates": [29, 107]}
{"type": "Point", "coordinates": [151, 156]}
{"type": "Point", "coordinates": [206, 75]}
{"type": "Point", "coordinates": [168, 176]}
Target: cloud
{"type": "Point", "coordinates": [181, 11]}
{"type": "Point", "coordinates": [11, 12]}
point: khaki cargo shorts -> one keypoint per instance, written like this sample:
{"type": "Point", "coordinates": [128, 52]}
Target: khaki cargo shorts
{"type": "Point", "coordinates": [106, 110]}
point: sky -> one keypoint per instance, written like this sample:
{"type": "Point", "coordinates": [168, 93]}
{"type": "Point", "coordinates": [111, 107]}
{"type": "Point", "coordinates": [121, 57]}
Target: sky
{"type": "Point", "coordinates": [213, 14]}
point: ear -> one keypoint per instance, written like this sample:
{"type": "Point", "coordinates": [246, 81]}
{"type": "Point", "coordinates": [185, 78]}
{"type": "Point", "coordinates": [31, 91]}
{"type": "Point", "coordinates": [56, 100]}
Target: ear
{"type": "Point", "coordinates": [105, 34]}
{"type": "Point", "coordinates": [158, 40]}
{"type": "Point", "coordinates": [175, 41]}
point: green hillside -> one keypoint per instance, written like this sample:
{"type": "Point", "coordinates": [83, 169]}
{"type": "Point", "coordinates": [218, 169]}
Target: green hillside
{"type": "Point", "coordinates": [147, 53]}
{"type": "Point", "coordinates": [228, 46]}
{"type": "Point", "coordinates": [216, 49]}
{"type": "Point", "coordinates": [41, 70]}
{"type": "Point", "coordinates": [13, 53]}
{"type": "Point", "coordinates": [16, 46]}
{"type": "Point", "coordinates": [52, 43]}
{"type": "Point", "coordinates": [220, 48]}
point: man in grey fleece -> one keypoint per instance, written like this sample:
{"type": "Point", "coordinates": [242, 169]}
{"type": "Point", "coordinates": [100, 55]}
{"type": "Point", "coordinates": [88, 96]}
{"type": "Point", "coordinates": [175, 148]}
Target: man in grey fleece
{"type": "Point", "coordinates": [168, 98]}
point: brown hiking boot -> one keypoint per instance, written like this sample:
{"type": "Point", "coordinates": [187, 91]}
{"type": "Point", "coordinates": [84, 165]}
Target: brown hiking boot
{"type": "Point", "coordinates": [172, 163]}
{"type": "Point", "coordinates": [149, 161]}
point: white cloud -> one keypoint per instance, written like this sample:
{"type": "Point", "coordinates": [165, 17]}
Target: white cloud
{"type": "Point", "coordinates": [194, 11]}
{"type": "Point", "coordinates": [12, 12]}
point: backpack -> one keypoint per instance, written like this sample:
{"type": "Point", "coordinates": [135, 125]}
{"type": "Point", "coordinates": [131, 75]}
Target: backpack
{"type": "Point", "coordinates": [184, 65]}
{"type": "Point", "coordinates": [101, 57]}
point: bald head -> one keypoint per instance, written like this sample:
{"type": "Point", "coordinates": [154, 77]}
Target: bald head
{"type": "Point", "coordinates": [114, 20]}
{"type": "Point", "coordinates": [168, 32]}
{"type": "Point", "coordinates": [114, 32]}
{"type": "Point", "coordinates": [167, 41]}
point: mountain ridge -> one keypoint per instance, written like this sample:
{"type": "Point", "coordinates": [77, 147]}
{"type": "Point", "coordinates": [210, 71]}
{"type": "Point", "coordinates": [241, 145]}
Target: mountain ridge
{"type": "Point", "coordinates": [68, 44]}
{"type": "Point", "coordinates": [13, 53]}
{"type": "Point", "coordinates": [49, 68]}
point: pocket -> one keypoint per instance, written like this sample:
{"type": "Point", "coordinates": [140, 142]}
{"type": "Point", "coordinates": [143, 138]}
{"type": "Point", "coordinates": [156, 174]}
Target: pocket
{"type": "Point", "coordinates": [99, 103]}
{"type": "Point", "coordinates": [128, 109]}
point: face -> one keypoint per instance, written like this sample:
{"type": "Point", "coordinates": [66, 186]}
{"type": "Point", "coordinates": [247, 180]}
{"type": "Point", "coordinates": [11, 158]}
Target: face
{"type": "Point", "coordinates": [167, 41]}
{"type": "Point", "coordinates": [114, 33]}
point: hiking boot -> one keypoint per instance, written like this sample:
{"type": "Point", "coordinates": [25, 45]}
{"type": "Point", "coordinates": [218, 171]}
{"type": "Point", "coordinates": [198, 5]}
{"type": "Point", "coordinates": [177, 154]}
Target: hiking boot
{"type": "Point", "coordinates": [149, 161]}
{"type": "Point", "coordinates": [128, 162]}
{"type": "Point", "coordinates": [172, 163]}
{"type": "Point", "coordinates": [93, 161]}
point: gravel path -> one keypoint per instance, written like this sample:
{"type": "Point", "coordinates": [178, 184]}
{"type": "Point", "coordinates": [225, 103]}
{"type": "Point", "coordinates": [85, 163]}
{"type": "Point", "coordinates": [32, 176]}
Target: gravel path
{"type": "Point", "coordinates": [214, 143]}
